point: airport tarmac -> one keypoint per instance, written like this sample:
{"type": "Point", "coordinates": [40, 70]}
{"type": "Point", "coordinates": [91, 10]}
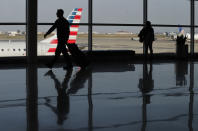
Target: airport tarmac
{"type": "Point", "coordinates": [119, 43]}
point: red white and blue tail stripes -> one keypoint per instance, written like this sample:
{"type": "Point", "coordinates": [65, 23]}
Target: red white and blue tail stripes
{"type": "Point", "coordinates": [74, 17]}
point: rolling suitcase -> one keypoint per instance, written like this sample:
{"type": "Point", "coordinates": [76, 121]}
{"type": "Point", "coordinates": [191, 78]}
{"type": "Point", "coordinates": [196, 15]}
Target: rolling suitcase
{"type": "Point", "coordinates": [77, 55]}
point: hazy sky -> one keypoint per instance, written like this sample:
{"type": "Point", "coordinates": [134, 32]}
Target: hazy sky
{"type": "Point", "coordinates": [104, 11]}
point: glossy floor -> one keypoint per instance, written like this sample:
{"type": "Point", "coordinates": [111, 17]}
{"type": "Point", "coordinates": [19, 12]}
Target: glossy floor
{"type": "Point", "coordinates": [112, 96]}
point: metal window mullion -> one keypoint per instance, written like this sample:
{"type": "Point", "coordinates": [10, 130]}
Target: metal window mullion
{"type": "Point", "coordinates": [145, 11]}
{"type": "Point", "coordinates": [31, 30]}
{"type": "Point", "coordinates": [90, 26]}
{"type": "Point", "coordinates": [192, 29]}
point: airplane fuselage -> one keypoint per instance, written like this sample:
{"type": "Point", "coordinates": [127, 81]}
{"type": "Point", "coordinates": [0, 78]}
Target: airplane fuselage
{"type": "Point", "coordinates": [8, 48]}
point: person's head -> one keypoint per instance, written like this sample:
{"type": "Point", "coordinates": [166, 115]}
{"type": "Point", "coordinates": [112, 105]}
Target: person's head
{"type": "Point", "coordinates": [147, 23]}
{"type": "Point", "coordinates": [60, 13]}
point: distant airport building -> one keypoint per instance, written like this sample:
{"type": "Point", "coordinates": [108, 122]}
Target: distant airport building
{"type": "Point", "coordinates": [13, 33]}
{"type": "Point", "coordinates": [123, 32]}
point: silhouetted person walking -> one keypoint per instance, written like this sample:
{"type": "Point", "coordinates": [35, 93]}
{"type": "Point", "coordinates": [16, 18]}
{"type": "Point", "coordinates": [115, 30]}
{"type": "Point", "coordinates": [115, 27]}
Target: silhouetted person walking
{"type": "Point", "coordinates": [146, 36]}
{"type": "Point", "coordinates": [63, 30]}
{"type": "Point", "coordinates": [63, 103]}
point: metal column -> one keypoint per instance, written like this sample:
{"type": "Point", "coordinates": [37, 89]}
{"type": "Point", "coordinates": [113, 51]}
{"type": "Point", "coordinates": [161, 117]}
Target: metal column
{"type": "Point", "coordinates": [145, 15]}
{"type": "Point", "coordinates": [90, 26]}
{"type": "Point", "coordinates": [90, 103]}
{"type": "Point", "coordinates": [192, 29]}
{"type": "Point", "coordinates": [32, 97]}
{"type": "Point", "coordinates": [31, 31]}
{"type": "Point", "coordinates": [191, 102]}
{"type": "Point", "coordinates": [145, 11]}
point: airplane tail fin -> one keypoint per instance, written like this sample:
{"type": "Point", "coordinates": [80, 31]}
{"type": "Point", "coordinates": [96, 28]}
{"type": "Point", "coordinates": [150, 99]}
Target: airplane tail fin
{"type": "Point", "coordinates": [74, 17]}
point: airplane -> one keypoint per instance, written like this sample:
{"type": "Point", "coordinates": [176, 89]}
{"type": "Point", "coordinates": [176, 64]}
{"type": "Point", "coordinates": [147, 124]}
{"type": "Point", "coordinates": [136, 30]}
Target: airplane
{"type": "Point", "coordinates": [47, 46]}
{"type": "Point", "coordinates": [182, 32]}
{"type": "Point", "coordinates": [188, 36]}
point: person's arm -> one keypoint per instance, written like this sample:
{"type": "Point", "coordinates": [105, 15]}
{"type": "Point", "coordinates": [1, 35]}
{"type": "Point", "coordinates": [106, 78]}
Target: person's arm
{"type": "Point", "coordinates": [51, 29]}
{"type": "Point", "coordinates": [141, 34]}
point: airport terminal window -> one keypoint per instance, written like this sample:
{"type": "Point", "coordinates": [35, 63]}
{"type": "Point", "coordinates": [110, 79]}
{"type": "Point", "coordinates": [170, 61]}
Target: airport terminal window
{"type": "Point", "coordinates": [129, 14]}
{"type": "Point", "coordinates": [12, 35]}
{"type": "Point", "coordinates": [196, 41]}
{"type": "Point", "coordinates": [169, 12]}
{"type": "Point", "coordinates": [117, 38]}
{"type": "Point", "coordinates": [119, 11]}
{"type": "Point", "coordinates": [196, 29]}
{"type": "Point", "coordinates": [196, 13]}
{"type": "Point", "coordinates": [48, 13]}
{"type": "Point", "coordinates": [165, 39]}
{"type": "Point", "coordinates": [12, 11]}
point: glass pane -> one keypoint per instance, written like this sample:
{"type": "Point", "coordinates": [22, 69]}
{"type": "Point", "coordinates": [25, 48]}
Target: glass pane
{"type": "Point", "coordinates": [48, 13]}
{"type": "Point", "coordinates": [196, 13]}
{"type": "Point", "coordinates": [12, 40]}
{"type": "Point", "coordinates": [116, 38]}
{"type": "Point", "coordinates": [119, 11]}
{"type": "Point", "coordinates": [12, 10]}
{"type": "Point", "coordinates": [47, 46]}
{"type": "Point", "coordinates": [169, 11]}
{"type": "Point", "coordinates": [196, 40]}
{"type": "Point", "coordinates": [166, 39]}
{"type": "Point", "coordinates": [126, 38]}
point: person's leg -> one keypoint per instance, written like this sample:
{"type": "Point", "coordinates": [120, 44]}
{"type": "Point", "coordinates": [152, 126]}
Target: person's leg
{"type": "Point", "coordinates": [66, 56]}
{"type": "Point", "coordinates": [57, 54]}
{"type": "Point", "coordinates": [151, 48]}
{"type": "Point", "coordinates": [62, 43]}
{"type": "Point", "coordinates": [146, 49]}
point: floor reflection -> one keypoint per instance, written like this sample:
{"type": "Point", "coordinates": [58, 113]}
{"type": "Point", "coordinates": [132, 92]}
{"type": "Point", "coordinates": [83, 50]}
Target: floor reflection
{"type": "Point", "coordinates": [191, 101]}
{"type": "Point", "coordinates": [146, 85]}
{"type": "Point", "coordinates": [32, 98]}
{"type": "Point", "coordinates": [63, 103]}
{"type": "Point", "coordinates": [63, 106]}
{"type": "Point", "coordinates": [181, 70]}
{"type": "Point", "coordinates": [76, 80]}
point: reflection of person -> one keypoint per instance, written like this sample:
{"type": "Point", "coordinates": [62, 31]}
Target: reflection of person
{"type": "Point", "coordinates": [62, 108]}
{"type": "Point", "coordinates": [147, 36]}
{"type": "Point", "coordinates": [146, 84]}
{"type": "Point", "coordinates": [181, 69]}
{"type": "Point", "coordinates": [79, 80]}
{"type": "Point", "coordinates": [62, 26]}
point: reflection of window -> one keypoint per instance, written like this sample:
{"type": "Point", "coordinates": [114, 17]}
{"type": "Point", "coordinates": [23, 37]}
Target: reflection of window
{"type": "Point", "coordinates": [2, 49]}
